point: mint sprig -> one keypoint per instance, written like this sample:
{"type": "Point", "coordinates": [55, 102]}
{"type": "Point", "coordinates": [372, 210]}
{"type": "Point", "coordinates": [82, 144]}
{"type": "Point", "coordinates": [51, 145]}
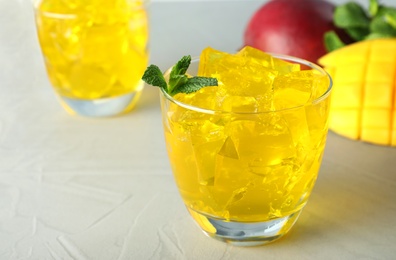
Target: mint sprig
{"type": "Point", "coordinates": [378, 21]}
{"type": "Point", "coordinates": [351, 15]}
{"type": "Point", "coordinates": [179, 82]}
{"type": "Point", "coordinates": [332, 41]}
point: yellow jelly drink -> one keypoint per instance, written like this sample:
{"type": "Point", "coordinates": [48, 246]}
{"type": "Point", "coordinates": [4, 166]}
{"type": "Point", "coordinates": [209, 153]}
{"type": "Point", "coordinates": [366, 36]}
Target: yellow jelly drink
{"type": "Point", "coordinates": [94, 50]}
{"type": "Point", "coordinates": [249, 150]}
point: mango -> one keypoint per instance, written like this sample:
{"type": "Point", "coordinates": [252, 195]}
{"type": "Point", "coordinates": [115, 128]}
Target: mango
{"type": "Point", "coordinates": [363, 105]}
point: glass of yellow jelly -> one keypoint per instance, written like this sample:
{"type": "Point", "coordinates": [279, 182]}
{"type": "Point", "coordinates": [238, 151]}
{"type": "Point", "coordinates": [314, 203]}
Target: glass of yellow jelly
{"type": "Point", "coordinates": [95, 52]}
{"type": "Point", "coordinates": [245, 155]}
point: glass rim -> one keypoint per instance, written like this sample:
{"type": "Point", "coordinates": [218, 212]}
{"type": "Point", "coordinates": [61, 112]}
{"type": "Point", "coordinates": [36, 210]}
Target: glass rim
{"type": "Point", "coordinates": [36, 4]}
{"type": "Point", "coordinates": [280, 56]}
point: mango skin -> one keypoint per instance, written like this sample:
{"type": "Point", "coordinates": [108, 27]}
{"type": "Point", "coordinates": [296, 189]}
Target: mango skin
{"type": "Point", "coordinates": [364, 90]}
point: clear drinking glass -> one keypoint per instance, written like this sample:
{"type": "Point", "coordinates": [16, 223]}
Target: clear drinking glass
{"type": "Point", "coordinates": [95, 52]}
{"type": "Point", "coordinates": [245, 177]}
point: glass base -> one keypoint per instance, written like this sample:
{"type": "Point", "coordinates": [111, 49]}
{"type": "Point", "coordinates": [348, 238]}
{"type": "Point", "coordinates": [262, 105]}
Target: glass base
{"type": "Point", "coordinates": [101, 107]}
{"type": "Point", "coordinates": [245, 233]}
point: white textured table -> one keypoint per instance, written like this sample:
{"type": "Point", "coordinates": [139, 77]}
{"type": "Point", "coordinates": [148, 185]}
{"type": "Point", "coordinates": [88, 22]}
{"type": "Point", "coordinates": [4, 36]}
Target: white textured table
{"type": "Point", "coordinates": [78, 188]}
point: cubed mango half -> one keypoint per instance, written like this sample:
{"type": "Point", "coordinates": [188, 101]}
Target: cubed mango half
{"type": "Point", "coordinates": [364, 90]}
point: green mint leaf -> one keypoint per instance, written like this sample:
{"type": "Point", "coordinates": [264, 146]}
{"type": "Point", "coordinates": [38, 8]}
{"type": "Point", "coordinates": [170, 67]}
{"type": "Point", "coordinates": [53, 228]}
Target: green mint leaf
{"type": "Point", "coordinates": [373, 7]}
{"type": "Point", "coordinates": [384, 10]}
{"type": "Point", "coordinates": [179, 82]}
{"type": "Point", "coordinates": [181, 66]}
{"type": "Point", "coordinates": [372, 36]}
{"type": "Point", "coordinates": [194, 84]}
{"type": "Point", "coordinates": [177, 76]}
{"type": "Point", "coordinates": [154, 76]}
{"type": "Point", "coordinates": [351, 15]}
{"type": "Point", "coordinates": [379, 25]}
{"type": "Point", "coordinates": [332, 41]}
{"type": "Point", "coordinates": [176, 81]}
{"type": "Point", "coordinates": [378, 22]}
{"type": "Point", "coordinates": [391, 20]}
{"type": "Point", "coordinates": [358, 34]}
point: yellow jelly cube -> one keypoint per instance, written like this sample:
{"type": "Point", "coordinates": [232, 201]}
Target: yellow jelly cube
{"type": "Point", "coordinates": [240, 104]}
{"type": "Point", "coordinates": [251, 81]}
{"type": "Point", "coordinates": [237, 75]}
{"type": "Point", "coordinates": [257, 56]}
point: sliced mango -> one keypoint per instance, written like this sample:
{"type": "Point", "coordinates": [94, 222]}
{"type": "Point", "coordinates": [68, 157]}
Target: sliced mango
{"type": "Point", "coordinates": [364, 90]}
